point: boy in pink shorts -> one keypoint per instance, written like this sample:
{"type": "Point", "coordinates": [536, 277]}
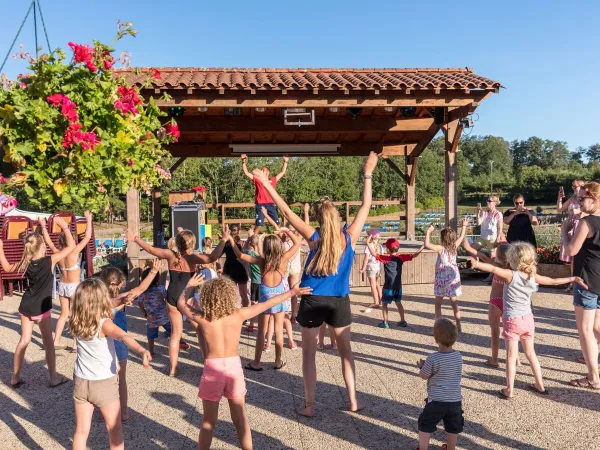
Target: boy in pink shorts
{"type": "Point", "coordinates": [220, 322]}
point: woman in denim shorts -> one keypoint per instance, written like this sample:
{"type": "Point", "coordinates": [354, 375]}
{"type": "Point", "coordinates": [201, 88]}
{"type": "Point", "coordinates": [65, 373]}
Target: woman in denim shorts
{"type": "Point", "coordinates": [585, 247]}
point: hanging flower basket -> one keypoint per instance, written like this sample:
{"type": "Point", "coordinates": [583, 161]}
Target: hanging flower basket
{"type": "Point", "coordinates": [76, 132]}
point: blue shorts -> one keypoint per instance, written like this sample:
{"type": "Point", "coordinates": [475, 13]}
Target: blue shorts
{"type": "Point", "coordinates": [585, 299]}
{"type": "Point", "coordinates": [122, 351]}
{"type": "Point", "coordinates": [391, 295]}
{"type": "Point", "coordinates": [152, 333]}
{"type": "Point", "coordinates": [271, 211]}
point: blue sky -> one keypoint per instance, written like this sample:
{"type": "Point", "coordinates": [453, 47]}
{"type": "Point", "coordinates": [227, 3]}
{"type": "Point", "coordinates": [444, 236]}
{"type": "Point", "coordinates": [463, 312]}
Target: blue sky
{"type": "Point", "coordinates": [547, 53]}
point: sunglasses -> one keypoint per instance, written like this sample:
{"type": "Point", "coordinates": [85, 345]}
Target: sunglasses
{"type": "Point", "coordinates": [583, 198]}
{"type": "Point", "coordinates": [519, 203]}
{"type": "Point", "coordinates": [489, 200]}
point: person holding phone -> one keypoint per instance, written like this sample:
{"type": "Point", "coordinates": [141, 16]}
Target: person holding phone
{"type": "Point", "coordinates": [520, 221]}
{"type": "Point", "coordinates": [490, 223]}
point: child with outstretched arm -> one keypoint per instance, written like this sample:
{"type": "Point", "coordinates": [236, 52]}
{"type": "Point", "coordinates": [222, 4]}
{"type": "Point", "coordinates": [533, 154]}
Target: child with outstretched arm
{"type": "Point", "coordinates": [220, 322]}
{"type": "Point", "coordinates": [392, 286]}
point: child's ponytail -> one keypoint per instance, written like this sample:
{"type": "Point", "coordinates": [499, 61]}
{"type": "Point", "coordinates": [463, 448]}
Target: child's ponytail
{"type": "Point", "coordinates": [33, 244]}
{"type": "Point", "coordinates": [113, 278]}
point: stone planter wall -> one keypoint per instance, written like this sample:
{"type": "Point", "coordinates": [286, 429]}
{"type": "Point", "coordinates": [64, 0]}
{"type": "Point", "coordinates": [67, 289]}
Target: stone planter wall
{"type": "Point", "coordinates": [554, 270]}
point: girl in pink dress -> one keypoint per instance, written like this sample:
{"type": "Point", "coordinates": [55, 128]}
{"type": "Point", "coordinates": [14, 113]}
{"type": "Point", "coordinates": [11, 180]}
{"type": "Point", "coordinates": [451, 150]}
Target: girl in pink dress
{"type": "Point", "coordinates": [447, 276]}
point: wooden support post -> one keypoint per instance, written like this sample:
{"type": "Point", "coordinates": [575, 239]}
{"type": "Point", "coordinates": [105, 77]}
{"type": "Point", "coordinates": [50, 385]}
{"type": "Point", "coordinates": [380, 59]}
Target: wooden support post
{"type": "Point", "coordinates": [348, 213]}
{"type": "Point", "coordinates": [156, 216]}
{"type": "Point", "coordinates": [133, 225]}
{"type": "Point", "coordinates": [452, 133]}
{"type": "Point", "coordinates": [222, 214]}
{"type": "Point", "coordinates": [411, 173]}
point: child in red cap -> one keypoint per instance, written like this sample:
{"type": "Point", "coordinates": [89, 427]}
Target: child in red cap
{"type": "Point", "coordinates": [392, 286]}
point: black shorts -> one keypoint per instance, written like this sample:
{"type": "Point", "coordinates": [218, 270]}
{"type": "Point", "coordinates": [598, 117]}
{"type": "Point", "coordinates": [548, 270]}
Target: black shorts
{"type": "Point", "coordinates": [254, 292]}
{"type": "Point", "coordinates": [316, 309]}
{"type": "Point", "coordinates": [450, 412]}
{"type": "Point", "coordinates": [271, 212]}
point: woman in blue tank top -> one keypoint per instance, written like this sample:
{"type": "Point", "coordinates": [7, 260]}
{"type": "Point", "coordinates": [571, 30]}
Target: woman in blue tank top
{"type": "Point", "coordinates": [327, 272]}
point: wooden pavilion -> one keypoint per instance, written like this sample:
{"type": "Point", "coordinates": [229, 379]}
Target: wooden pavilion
{"type": "Point", "coordinates": [318, 112]}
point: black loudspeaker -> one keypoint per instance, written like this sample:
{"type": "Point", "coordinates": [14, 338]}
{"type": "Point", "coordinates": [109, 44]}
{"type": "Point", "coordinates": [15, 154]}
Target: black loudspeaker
{"type": "Point", "coordinates": [438, 116]}
{"type": "Point", "coordinates": [189, 217]}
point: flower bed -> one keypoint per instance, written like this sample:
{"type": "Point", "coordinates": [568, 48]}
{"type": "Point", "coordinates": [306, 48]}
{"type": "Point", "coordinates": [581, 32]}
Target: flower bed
{"type": "Point", "coordinates": [549, 265]}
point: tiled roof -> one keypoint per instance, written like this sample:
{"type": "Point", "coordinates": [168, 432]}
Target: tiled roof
{"type": "Point", "coordinates": [353, 79]}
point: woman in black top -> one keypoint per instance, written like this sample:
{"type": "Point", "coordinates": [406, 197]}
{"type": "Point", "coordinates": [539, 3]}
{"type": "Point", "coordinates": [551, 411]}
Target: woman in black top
{"type": "Point", "coordinates": [585, 247]}
{"type": "Point", "coordinates": [233, 268]}
{"type": "Point", "coordinates": [520, 222]}
{"type": "Point", "coordinates": [36, 304]}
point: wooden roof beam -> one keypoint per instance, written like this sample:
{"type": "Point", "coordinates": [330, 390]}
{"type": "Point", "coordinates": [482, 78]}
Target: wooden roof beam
{"type": "Point", "coordinates": [394, 167]}
{"type": "Point", "coordinates": [329, 124]}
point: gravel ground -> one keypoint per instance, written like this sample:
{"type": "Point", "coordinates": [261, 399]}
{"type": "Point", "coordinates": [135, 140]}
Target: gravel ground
{"type": "Point", "coordinates": [168, 411]}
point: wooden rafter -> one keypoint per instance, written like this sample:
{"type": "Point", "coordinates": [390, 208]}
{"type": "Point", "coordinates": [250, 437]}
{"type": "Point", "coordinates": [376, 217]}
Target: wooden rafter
{"type": "Point", "coordinates": [394, 167]}
{"type": "Point", "coordinates": [426, 139]}
{"type": "Point", "coordinates": [177, 164]}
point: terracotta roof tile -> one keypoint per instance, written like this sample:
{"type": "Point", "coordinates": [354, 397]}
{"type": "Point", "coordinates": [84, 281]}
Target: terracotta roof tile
{"type": "Point", "coordinates": [354, 79]}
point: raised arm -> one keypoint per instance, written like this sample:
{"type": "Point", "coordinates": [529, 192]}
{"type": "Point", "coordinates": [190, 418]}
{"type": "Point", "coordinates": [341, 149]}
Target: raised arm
{"type": "Point", "coordinates": [297, 242]}
{"type": "Point", "coordinates": [504, 274]}
{"type": "Point", "coordinates": [245, 167]}
{"type": "Point", "coordinates": [303, 228]}
{"type": "Point", "coordinates": [162, 253]}
{"type": "Point", "coordinates": [88, 233]}
{"type": "Point", "coordinates": [254, 310]}
{"type": "Point", "coordinates": [70, 242]}
{"type": "Point", "coordinates": [463, 232]}
{"type": "Point", "coordinates": [268, 217]}
{"type": "Point", "coordinates": [355, 229]}
{"type": "Point", "coordinates": [244, 256]}
{"type": "Point", "coordinates": [307, 213]}
{"type": "Point", "coordinates": [215, 254]}
{"type": "Point", "coordinates": [371, 249]}
{"type": "Point", "coordinates": [111, 330]}
{"type": "Point", "coordinates": [560, 206]}
{"type": "Point", "coordinates": [428, 245]}
{"type": "Point", "coordinates": [43, 225]}
{"type": "Point", "coordinates": [146, 282]}
{"type": "Point", "coordinates": [188, 294]}
{"type": "Point", "coordinates": [280, 175]}
{"type": "Point", "coordinates": [419, 250]}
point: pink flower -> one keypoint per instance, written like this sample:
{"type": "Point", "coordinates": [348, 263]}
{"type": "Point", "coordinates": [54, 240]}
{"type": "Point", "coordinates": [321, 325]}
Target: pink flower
{"type": "Point", "coordinates": [128, 100]}
{"type": "Point", "coordinates": [131, 163]}
{"type": "Point", "coordinates": [22, 85]}
{"type": "Point", "coordinates": [108, 61]}
{"type": "Point", "coordinates": [68, 110]}
{"type": "Point", "coordinates": [84, 54]}
{"type": "Point", "coordinates": [55, 99]}
{"type": "Point", "coordinates": [156, 74]}
{"type": "Point", "coordinates": [74, 135]}
{"type": "Point", "coordinates": [199, 189]}
{"type": "Point", "coordinates": [173, 130]}
{"type": "Point", "coordinates": [3, 179]}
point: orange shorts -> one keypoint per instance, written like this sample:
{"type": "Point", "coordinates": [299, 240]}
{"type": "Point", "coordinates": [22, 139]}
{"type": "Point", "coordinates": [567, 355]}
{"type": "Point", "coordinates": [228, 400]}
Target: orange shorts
{"type": "Point", "coordinates": [519, 327]}
{"type": "Point", "coordinates": [222, 377]}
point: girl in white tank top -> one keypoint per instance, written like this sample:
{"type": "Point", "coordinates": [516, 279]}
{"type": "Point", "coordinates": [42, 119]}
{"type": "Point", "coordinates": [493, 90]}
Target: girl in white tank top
{"type": "Point", "coordinates": [95, 376]}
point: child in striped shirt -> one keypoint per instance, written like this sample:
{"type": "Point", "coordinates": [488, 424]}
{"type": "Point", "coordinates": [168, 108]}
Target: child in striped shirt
{"type": "Point", "coordinates": [443, 372]}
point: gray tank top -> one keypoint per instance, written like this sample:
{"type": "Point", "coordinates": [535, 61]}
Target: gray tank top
{"type": "Point", "coordinates": [517, 296]}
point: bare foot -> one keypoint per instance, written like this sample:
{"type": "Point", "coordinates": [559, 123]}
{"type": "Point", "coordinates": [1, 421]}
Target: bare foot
{"type": "Point", "coordinates": [356, 407]}
{"type": "Point", "coordinates": [519, 362]}
{"type": "Point", "coordinates": [307, 411]}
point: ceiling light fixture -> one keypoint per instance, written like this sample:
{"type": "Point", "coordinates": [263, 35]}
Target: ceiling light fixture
{"type": "Point", "coordinates": [334, 109]}
{"type": "Point", "coordinates": [260, 109]}
{"type": "Point", "coordinates": [202, 109]}
{"type": "Point", "coordinates": [388, 109]}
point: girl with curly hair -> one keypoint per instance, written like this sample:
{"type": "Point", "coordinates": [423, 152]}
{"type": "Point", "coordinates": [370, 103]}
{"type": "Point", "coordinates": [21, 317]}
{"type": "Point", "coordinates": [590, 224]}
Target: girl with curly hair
{"type": "Point", "coordinates": [220, 320]}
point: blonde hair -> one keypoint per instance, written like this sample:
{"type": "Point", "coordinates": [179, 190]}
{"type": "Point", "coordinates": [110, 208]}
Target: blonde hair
{"type": "Point", "coordinates": [448, 237]}
{"type": "Point", "coordinates": [185, 241]}
{"type": "Point", "coordinates": [445, 332]}
{"type": "Point", "coordinates": [113, 278]}
{"type": "Point", "coordinates": [579, 183]}
{"type": "Point", "coordinates": [522, 257]}
{"type": "Point", "coordinates": [173, 247]}
{"type": "Point", "coordinates": [501, 255]}
{"type": "Point", "coordinates": [496, 199]}
{"type": "Point", "coordinates": [329, 249]}
{"type": "Point", "coordinates": [253, 241]}
{"type": "Point", "coordinates": [219, 298]}
{"type": "Point", "coordinates": [34, 242]}
{"type": "Point", "coordinates": [273, 252]}
{"type": "Point", "coordinates": [90, 303]}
